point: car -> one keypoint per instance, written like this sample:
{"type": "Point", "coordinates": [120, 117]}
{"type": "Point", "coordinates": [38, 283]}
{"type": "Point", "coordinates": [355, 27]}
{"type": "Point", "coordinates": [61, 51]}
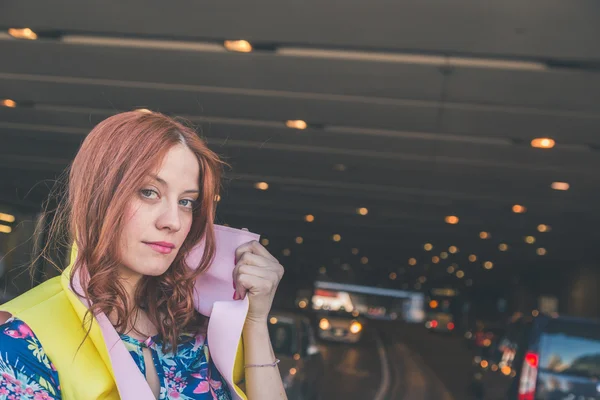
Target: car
{"type": "Point", "coordinates": [440, 322]}
{"type": "Point", "coordinates": [340, 326]}
{"type": "Point", "coordinates": [542, 358]}
{"type": "Point", "coordinates": [301, 365]}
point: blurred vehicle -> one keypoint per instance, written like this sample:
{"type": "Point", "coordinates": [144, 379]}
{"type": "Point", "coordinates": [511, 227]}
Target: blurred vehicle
{"type": "Point", "coordinates": [376, 312]}
{"type": "Point", "coordinates": [332, 300]}
{"type": "Point", "coordinates": [440, 322]}
{"type": "Point", "coordinates": [439, 310]}
{"type": "Point", "coordinates": [340, 326]}
{"type": "Point", "coordinates": [542, 358]}
{"type": "Point", "coordinates": [294, 343]}
{"type": "Point", "coordinates": [484, 335]}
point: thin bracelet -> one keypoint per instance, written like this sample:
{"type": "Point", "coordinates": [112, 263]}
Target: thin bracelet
{"type": "Point", "coordinates": [263, 365]}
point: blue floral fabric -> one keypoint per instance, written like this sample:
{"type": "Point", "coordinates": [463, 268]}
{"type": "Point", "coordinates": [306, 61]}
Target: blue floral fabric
{"type": "Point", "coordinates": [26, 372]}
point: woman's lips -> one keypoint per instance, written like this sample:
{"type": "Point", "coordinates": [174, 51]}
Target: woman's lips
{"type": "Point", "coordinates": [160, 249]}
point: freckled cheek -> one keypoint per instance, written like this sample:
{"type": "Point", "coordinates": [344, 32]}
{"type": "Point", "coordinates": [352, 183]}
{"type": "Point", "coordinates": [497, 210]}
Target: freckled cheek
{"type": "Point", "coordinates": [186, 225]}
{"type": "Point", "coordinates": [133, 228]}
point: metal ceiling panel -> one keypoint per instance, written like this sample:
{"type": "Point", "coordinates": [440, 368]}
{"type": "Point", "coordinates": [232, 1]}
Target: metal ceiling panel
{"type": "Point", "coordinates": [535, 28]}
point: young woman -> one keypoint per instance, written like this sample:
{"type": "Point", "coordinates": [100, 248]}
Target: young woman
{"type": "Point", "coordinates": [124, 318]}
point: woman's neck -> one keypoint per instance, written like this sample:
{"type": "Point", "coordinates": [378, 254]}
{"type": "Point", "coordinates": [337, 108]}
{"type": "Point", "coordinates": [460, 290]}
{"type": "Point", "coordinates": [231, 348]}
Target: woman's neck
{"type": "Point", "coordinates": [139, 325]}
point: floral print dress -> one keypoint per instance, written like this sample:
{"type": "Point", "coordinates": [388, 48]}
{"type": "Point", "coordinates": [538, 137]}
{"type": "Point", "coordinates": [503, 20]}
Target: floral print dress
{"type": "Point", "coordinates": [26, 372]}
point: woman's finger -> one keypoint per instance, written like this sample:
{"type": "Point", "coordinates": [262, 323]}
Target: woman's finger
{"type": "Point", "coordinates": [251, 270]}
{"type": "Point", "coordinates": [253, 247]}
{"type": "Point", "coordinates": [253, 259]}
{"type": "Point", "coordinates": [256, 285]}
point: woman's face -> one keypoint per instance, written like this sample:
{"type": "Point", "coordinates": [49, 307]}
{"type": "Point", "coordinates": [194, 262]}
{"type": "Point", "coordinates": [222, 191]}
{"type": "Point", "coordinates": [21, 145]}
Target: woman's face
{"type": "Point", "coordinates": [159, 217]}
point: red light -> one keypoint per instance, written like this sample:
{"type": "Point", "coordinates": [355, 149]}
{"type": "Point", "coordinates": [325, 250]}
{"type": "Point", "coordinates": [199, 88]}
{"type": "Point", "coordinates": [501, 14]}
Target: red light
{"type": "Point", "coordinates": [532, 359]}
{"type": "Point", "coordinates": [434, 324]}
{"type": "Point", "coordinates": [450, 325]}
{"type": "Point", "coordinates": [325, 293]}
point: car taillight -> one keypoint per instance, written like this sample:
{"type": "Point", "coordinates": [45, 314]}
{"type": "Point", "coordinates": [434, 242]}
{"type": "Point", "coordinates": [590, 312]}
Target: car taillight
{"type": "Point", "coordinates": [529, 374]}
{"type": "Point", "coordinates": [434, 324]}
{"type": "Point", "coordinates": [450, 326]}
{"type": "Point", "coordinates": [532, 359]}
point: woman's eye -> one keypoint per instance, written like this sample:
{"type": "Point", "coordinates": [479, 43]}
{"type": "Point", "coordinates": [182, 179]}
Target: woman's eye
{"type": "Point", "coordinates": [188, 203]}
{"type": "Point", "coordinates": [148, 193]}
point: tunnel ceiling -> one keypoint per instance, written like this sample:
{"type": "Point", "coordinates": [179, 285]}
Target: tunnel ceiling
{"type": "Point", "coordinates": [416, 111]}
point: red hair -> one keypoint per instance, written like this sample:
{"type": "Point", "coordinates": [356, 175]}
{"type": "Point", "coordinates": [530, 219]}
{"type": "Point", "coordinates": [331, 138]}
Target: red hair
{"type": "Point", "coordinates": [109, 169]}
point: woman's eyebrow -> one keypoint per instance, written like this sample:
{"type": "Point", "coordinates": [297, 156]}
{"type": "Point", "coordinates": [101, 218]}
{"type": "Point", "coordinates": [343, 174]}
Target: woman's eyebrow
{"type": "Point", "coordinates": [164, 183]}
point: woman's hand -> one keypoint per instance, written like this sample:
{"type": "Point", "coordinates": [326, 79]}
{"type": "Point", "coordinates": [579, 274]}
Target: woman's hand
{"type": "Point", "coordinates": [257, 273]}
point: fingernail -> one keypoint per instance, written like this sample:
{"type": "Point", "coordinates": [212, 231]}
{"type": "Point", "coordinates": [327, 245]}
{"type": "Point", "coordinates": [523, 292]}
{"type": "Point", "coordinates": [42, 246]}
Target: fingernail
{"type": "Point", "coordinates": [236, 296]}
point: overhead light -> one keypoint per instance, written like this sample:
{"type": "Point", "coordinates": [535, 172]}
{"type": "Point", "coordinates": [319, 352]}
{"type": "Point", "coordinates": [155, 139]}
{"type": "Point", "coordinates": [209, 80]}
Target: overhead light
{"type": "Point", "coordinates": [8, 103]}
{"type": "Point", "coordinates": [322, 270]}
{"type": "Point", "coordinates": [453, 249]}
{"type": "Point", "coordinates": [488, 265]}
{"type": "Point", "coordinates": [502, 247]}
{"type": "Point", "coordinates": [296, 124]}
{"type": "Point", "coordinates": [355, 251]}
{"type": "Point", "coordinates": [519, 209]}
{"type": "Point", "coordinates": [336, 238]}
{"type": "Point", "coordinates": [364, 260]}
{"type": "Point", "coordinates": [422, 279]}
{"type": "Point", "coordinates": [273, 320]}
{"type": "Point", "coordinates": [443, 255]}
{"type": "Point", "coordinates": [472, 258]}
{"type": "Point", "coordinates": [261, 185]}
{"type": "Point", "coordinates": [530, 239]}
{"type": "Point", "coordinates": [339, 167]}
{"type": "Point", "coordinates": [264, 242]}
{"type": "Point", "coordinates": [362, 211]}
{"type": "Point", "coordinates": [544, 228]}
{"type": "Point", "coordinates": [217, 198]}
{"type": "Point", "coordinates": [393, 276]}
{"type": "Point", "coordinates": [299, 240]}
{"type": "Point", "coordinates": [428, 246]}
{"type": "Point", "coordinates": [286, 252]}
{"type": "Point", "coordinates": [435, 259]}
{"type": "Point", "coordinates": [309, 218]}
{"type": "Point", "coordinates": [452, 219]}
{"type": "Point", "coordinates": [22, 33]}
{"type": "Point", "coordinates": [541, 251]}
{"type": "Point", "coordinates": [543, 143]}
{"type": "Point", "coordinates": [450, 269]}
{"type": "Point", "coordinates": [412, 261]}
{"type": "Point", "coordinates": [144, 111]}
{"type": "Point", "coordinates": [460, 274]}
{"type": "Point", "coordinates": [485, 235]}
{"type": "Point", "coordinates": [239, 46]}
{"type": "Point", "coordinates": [5, 229]}
{"type": "Point", "coordinates": [560, 186]}
{"type": "Point", "coordinates": [7, 218]}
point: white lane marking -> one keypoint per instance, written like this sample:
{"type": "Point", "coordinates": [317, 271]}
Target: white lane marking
{"type": "Point", "coordinates": [385, 368]}
{"type": "Point", "coordinates": [399, 379]}
{"type": "Point", "coordinates": [414, 376]}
